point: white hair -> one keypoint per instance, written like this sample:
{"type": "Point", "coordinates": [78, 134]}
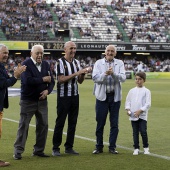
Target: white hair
{"type": "Point", "coordinates": [35, 46]}
{"type": "Point", "coordinates": [2, 45]}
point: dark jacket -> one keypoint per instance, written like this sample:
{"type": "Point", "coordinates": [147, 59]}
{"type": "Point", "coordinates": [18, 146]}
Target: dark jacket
{"type": "Point", "coordinates": [5, 82]}
{"type": "Point", "coordinates": [32, 80]}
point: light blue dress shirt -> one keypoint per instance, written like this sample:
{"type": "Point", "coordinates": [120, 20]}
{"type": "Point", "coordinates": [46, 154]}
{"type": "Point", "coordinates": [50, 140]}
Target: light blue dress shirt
{"type": "Point", "coordinates": [100, 79]}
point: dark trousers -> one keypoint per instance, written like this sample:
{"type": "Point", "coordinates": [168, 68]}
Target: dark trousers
{"type": "Point", "coordinates": [66, 106]}
{"type": "Point", "coordinates": [140, 126]}
{"type": "Point", "coordinates": [102, 109]}
{"type": "Point", "coordinates": [28, 110]}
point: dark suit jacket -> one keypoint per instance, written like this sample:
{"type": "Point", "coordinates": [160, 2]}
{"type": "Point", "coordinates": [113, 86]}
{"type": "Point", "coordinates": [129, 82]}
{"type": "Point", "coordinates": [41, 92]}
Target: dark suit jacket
{"type": "Point", "coordinates": [32, 83]}
{"type": "Point", "coordinates": [5, 82]}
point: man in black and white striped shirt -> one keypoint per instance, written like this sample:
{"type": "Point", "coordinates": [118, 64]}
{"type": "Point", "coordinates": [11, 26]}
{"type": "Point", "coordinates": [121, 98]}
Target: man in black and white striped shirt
{"type": "Point", "coordinates": [68, 73]}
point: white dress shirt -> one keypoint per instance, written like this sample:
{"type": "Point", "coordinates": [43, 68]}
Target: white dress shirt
{"type": "Point", "coordinates": [37, 64]}
{"type": "Point", "coordinates": [138, 99]}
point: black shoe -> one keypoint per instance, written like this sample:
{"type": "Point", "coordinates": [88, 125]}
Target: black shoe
{"type": "Point", "coordinates": [97, 151]}
{"type": "Point", "coordinates": [17, 156]}
{"type": "Point", "coordinates": [56, 153]}
{"type": "Point", "coordinates": [113, 151]}
{"type": "Point", "coordinates": [40, 155]}
{"type": "Point", "coordinates": [71, 151]}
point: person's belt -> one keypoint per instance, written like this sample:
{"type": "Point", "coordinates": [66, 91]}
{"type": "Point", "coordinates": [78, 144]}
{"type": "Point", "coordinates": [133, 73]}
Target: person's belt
{"type": "Point", "coordinates": [110, 94]}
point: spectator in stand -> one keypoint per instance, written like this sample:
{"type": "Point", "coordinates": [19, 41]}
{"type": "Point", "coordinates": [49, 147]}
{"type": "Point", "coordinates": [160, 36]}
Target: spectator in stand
{"type": "Point", "coordinates": [140, 67]}
{"type": "Point", "coordinates": [108, 31]}
{"type": "Point", "coordinates": [56, 31]}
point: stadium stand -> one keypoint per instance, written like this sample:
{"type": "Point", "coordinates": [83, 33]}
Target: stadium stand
{"type": "Point", "coordinates": [144, 22]}
{"type": "Point", "coordinates": [88, 21]}
{"type": "Point", "coordinates": [26, 20]}
{"type": "Point", "coordinates": [121, 21]}
{"type": "Point", "coordinates": [128, 20]}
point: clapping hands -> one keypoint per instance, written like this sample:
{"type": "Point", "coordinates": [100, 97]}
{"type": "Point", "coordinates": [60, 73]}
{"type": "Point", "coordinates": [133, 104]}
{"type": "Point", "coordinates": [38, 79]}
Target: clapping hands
{"type": "Point", "coordinates": [19, 70]}
{"type": "Point", "coordinates": [109, 71]}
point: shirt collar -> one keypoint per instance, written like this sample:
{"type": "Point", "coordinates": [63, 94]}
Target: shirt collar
{"type": "Point", "coordinates": [109, 61]}
{"type": "Point", "coordinates": [35, 62]}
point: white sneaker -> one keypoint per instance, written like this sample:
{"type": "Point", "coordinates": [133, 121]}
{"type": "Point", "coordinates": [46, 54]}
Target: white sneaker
{"type": "Point", "coordinates": [136, 152]}
{"type": "Point", "coordinates": [146, 151]}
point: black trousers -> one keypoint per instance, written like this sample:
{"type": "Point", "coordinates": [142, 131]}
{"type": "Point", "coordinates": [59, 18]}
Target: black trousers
{"type": "Point", "coordinates": [140, 126]}
{"type": "Point", "coordinates": [66, 106]}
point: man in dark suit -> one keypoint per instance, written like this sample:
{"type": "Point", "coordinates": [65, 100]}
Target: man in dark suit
{"type": "Point", "coordinates": [36, 83]}
{"type": "Point", "coordinates": [5, 82]}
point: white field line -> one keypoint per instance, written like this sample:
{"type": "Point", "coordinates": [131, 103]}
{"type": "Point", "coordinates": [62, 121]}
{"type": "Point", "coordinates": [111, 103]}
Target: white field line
{"type": "Point", "coordinates": [93, 140]}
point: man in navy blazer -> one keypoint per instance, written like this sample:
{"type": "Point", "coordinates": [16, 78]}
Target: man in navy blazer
{"type": "Point", "coordinates": [5, 82]}
{"type": "Point", "coordinates": [36, 83]}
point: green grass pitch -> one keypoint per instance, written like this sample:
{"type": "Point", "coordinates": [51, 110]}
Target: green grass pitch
{"type": "Point", "coordinates": [158, 133]}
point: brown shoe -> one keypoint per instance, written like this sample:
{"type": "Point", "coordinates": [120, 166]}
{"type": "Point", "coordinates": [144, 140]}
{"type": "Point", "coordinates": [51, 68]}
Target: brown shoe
{"type": "Point", "coordinates": [2, 163]}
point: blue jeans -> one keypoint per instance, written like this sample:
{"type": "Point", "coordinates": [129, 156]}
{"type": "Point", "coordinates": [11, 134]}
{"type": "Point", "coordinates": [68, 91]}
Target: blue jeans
{"type": "Point", "coordinates": [102, 109]}
{"type": "Point", "coordinates": [140, 126]}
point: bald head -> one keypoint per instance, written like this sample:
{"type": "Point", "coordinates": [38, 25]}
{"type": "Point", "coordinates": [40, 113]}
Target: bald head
{"type": "Point", "coordinates": [110, 52]}
{"type": "Point", "coordinates": [70, 50]}
{"type": "Point", "coordinates": [111, 46]}
{"type": "Point", "coordinates": [68, 43]}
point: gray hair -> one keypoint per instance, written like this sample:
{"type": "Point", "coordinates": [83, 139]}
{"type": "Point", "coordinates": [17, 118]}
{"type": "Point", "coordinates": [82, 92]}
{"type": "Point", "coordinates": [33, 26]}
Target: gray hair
{"type": "Point", "coordinates": [35, 46]}
{"type": "Point", "coordinates": [2, 45]}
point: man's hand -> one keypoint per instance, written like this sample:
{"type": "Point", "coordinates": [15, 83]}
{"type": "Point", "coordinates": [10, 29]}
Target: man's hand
{"type": "Point", "coordinates": [19, 70]}
{"type": "Point", "coordinates": [43, 95]}
{"type": "Point", "coordinates": [109, 71]}
{"type": "Point", "coordinates": [47, 79]}
{"type": "Point", "coordinates": [84, 71]}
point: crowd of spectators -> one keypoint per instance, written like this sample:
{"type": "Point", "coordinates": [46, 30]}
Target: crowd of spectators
{"type": "Point", "coordinates": [143, 21]}
{"type": "Point", "coordinates": [25, 20]}
{"type": "Point", "coordinates": [87, 17]}
{"type": "Point", "coordinates": [150, 64]}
